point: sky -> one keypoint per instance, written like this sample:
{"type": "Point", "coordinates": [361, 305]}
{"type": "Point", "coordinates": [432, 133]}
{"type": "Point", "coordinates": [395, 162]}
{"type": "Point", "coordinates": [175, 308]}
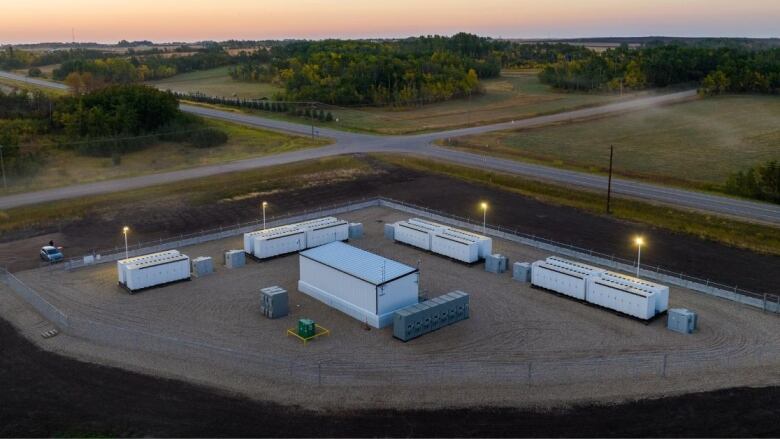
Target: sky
{"type": "Point", "coordinates": [193, 20]}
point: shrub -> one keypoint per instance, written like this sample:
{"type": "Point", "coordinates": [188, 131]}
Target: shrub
{"type": "Point", "coordinates": [207, 138]}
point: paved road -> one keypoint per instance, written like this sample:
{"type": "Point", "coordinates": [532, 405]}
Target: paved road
{"type": "Point", "coordinates": [421, 144]}
{"type": "Point", "coordinates": [33, 81]}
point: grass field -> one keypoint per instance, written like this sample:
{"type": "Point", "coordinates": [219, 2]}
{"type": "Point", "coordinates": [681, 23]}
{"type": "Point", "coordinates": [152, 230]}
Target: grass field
{"type": "Point", "coordinates": [695, 144]}
{"type": "Point", "coordinates": [760, 238]}
{"type": "Point", "coordinates": [516, 95]}
{"type": "Point", "coordinates": [64, 167]}
{"type": "Point", "coordinates": [199, 191]}
{"type": "Point", "coordinates": [216, 82]}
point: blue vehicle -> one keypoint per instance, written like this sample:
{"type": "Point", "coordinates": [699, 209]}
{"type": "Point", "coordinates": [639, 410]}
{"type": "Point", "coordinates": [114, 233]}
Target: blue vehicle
{"type": "Point", "coordinates": [51, 254]}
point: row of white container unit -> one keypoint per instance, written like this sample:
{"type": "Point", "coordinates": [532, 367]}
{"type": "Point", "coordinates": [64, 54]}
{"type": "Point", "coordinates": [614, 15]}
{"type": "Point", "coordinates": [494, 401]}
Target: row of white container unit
{"type": "Point", "coordinates": [628, 295]}
{"type": "Point", "coordinates": [292, 238]}
{"type": "Point", "coordinates": [153, 270]}
{"type": "Point", "coordinates": [445, 240]}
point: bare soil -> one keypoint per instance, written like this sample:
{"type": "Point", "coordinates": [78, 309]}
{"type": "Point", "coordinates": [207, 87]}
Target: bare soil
{"type": "Point", "coordinates": [45, 394]}
{"type": "Point", "coordinates": [674, 251]}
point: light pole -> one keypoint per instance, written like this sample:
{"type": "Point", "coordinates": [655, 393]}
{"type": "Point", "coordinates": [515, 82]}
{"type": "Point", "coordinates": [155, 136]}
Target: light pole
{"type": "Point", "coordinates": [126, 229]}
{"type": "Point", "coordinates": [265, 204]}
{"type": "Point", "coordinates": [639, 241]}
{"type": "Point", "coordinates": [2, 168]}
{"type": "Point", "coordinates": [484, 207]}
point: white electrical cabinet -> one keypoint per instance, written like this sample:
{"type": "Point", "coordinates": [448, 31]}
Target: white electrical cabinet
{"type": "Point", "coordinates": [121, 265]}
{"type": "Point", "coordinates": [413, 234]}
{"type": "Point", "coordinates": [455, 247]}
{"type": "Point", "coordinates": [661, 291]}
{"type": "Point", "coordinates": [327, 233]}
{"type": "Point", "coordinates": [278, 242]}
{"type": "Point", "coordinates": [146, 274]}
{"type": "Point", "coordinates": [622, 298]}
{"type": "Point", "coordinates": [567, 280]}
{"type": "Point", "coordinates": [366, 286]}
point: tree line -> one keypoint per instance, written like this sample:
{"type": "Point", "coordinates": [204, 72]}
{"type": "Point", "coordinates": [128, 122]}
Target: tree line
{"type": "Point", "coordinates": [761, 182]}
{"type": "Point", "coordinates": [723, 69]}
{"type": "Point", "coordinates": [106, 123]}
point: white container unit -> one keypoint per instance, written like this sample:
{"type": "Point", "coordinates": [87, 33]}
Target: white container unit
{"type": "Point", "coordinates": [413, 234]}
{"type": "Point", "coordinates": [363, 285]}
{"type": "Point", "coordinates": [151, 273]}
{"type": "Point", "coordinates": [315, 222]}
{"type": "Point", "coordinates": [485, 243]}
{"type": "Point", "coordinates": [567, 280]}
{"type": "Point", "coordinates": [455, 247]}
{"type": "Point", "coordinates": [278, 241]}
{"type": "Point", "coordinates": [121, 265]}
{"type": "Point", "coordinates": [435, 227]}
{"type": "Point", "coordinates": [625, 299]}
{"type": "Point", "coordinates": [661, 291]}
{"type": "Point", "coordinates": [591, 270]}
{"type": "Point", "coordinates": [327, 233]}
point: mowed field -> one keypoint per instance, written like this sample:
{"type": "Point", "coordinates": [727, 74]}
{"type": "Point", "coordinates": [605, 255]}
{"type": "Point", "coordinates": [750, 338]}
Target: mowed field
{"type": "Point", "coordinates": [697, 143]}
{"type": "Point", "coordinates": [516, 95]}
{"type": "Point", "coordinates": [64, 166]}
{"type": "Point", "coordinates": [216, 82]}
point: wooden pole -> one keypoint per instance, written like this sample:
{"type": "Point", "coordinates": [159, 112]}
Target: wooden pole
{"type": "Point", "coordinates": [609, 181]}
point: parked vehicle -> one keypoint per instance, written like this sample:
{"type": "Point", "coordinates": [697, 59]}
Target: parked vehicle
{"type": "Point", "coordinates": [51, 254]}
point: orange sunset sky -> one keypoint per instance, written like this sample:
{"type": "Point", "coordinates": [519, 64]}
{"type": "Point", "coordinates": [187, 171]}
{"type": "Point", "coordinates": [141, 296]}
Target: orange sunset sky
{"type": "Point", "coordinates": [190, 20]}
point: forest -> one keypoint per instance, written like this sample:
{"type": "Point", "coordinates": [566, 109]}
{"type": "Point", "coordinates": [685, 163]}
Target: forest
{"type": "Point", "coordinates": [104, 123]}
{"type": "Point", "coordinates": [721, 69]}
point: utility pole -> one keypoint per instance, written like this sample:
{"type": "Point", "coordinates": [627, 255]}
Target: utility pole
{"type": "Point", "coordinates": [609, 181]}
{"type": "Point", "coordinates": [2, 168]}
{"type": "Point", "coordinates": [312, 120]}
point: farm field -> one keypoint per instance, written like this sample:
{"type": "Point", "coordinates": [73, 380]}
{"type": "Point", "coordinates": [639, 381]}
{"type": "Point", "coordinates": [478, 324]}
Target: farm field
{"type": "Point", "coordinates": [64, 167]}
{"type": "Point", "coordinates": [216, 82]}
{"type": "Point", "coordinates": [212, 325]}
{"type": "Point", "coordinates": [516, 95]}
{"type": "Point", "coordinates": [697, 143]}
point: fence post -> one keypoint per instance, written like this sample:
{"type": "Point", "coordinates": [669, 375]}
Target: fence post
{"type": "Point", "coordinates": [319, 373]}
{"type": "Point", "coordinates": [663, 368]}
{"type": "Point", "coordinates": [530, 371]}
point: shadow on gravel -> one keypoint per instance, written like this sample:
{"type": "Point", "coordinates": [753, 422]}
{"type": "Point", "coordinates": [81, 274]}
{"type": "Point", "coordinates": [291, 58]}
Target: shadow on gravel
{"type": "Point", "coordinates": [44, 394]}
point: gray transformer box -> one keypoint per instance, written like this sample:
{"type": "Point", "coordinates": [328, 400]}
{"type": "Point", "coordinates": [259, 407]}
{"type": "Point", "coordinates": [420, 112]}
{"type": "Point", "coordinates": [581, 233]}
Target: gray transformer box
{"type": "Point", "coordinates": [235, 258]}
{"type": "Point", "coordinates": [390, 231]}
{"type": "Point", "coordinates": [416, 320]}
{"type": "Point", "coordinates": [355, 230]}
{"type": "Point", "coordinates": [274, 302]}
{"type": "Point", "coordinates": [521, 271]}
{"type": "Point", "coordinates": [495, 263]}
{"type": "Point", "coordinates": [681, 320]}
{"type": "Point", "coordinates": [202, 266]}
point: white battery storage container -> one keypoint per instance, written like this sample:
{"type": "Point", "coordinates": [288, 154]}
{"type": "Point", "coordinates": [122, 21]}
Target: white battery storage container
{"type": "Point", "coordinates": [147, 274]}
{"type": "Point", "coordinates": [454, 247]}
{"type": "Point", "coordinates": [413, 234]}
{"type": "Point", "coordinates": [279, 242]}
{"type": "Point", "coordinates": [622, 298]}
{"type": "Point", "coordinates": [327, 233]}
{"type": "Point", "coordinates": [485, 243]}
{"type": "Point", "coordinates": [561, 262]}
{"type": "Point", "coordinates": [567, 280]}
{"type": "Point", "coordinates": [121, 265]}
{"type": "Point", "coordinates": [662, 291]}
{"type": "Point", "coordinates": [435, 227]}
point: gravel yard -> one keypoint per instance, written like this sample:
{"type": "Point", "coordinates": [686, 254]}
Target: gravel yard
{"type": "Point", "coordinates": [521, 346]}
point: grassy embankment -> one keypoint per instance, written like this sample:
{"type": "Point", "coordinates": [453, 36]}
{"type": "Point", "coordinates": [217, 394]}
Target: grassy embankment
{"type": "Point", "coordinates": [756, 237]}
{"type": "Point", "coordinates": [516, 95]}
{"type": "Point", "coordinates": [694, 144]}
{"type": "Point", "coordinates": [202, 191]}
{"type": "Point", "coordinates": [65, 167]}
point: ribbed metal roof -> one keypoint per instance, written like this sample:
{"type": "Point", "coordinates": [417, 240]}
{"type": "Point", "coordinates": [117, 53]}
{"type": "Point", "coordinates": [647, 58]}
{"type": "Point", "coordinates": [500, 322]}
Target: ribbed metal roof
{"type": "Point", "coordinates": [364, 265]}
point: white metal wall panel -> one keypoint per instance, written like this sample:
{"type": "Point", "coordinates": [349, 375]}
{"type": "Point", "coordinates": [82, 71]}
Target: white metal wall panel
{"type": "Point", "coordinates": [559, 279]}
{"type": "Point", "coordinates": [324, 234]}
{"type": "Point", "coordinates": [412, 235]}
{"type": "Point", "coordinates": [454, 247]}
{"type": "Point", "coordinates": [267, 247]}
{"type": "Point", "coordinates": [626, 300]}
{"type": "Point", "coordinates": [348, 288]}
{"type": "Point", "coordinates": [398, 294]}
